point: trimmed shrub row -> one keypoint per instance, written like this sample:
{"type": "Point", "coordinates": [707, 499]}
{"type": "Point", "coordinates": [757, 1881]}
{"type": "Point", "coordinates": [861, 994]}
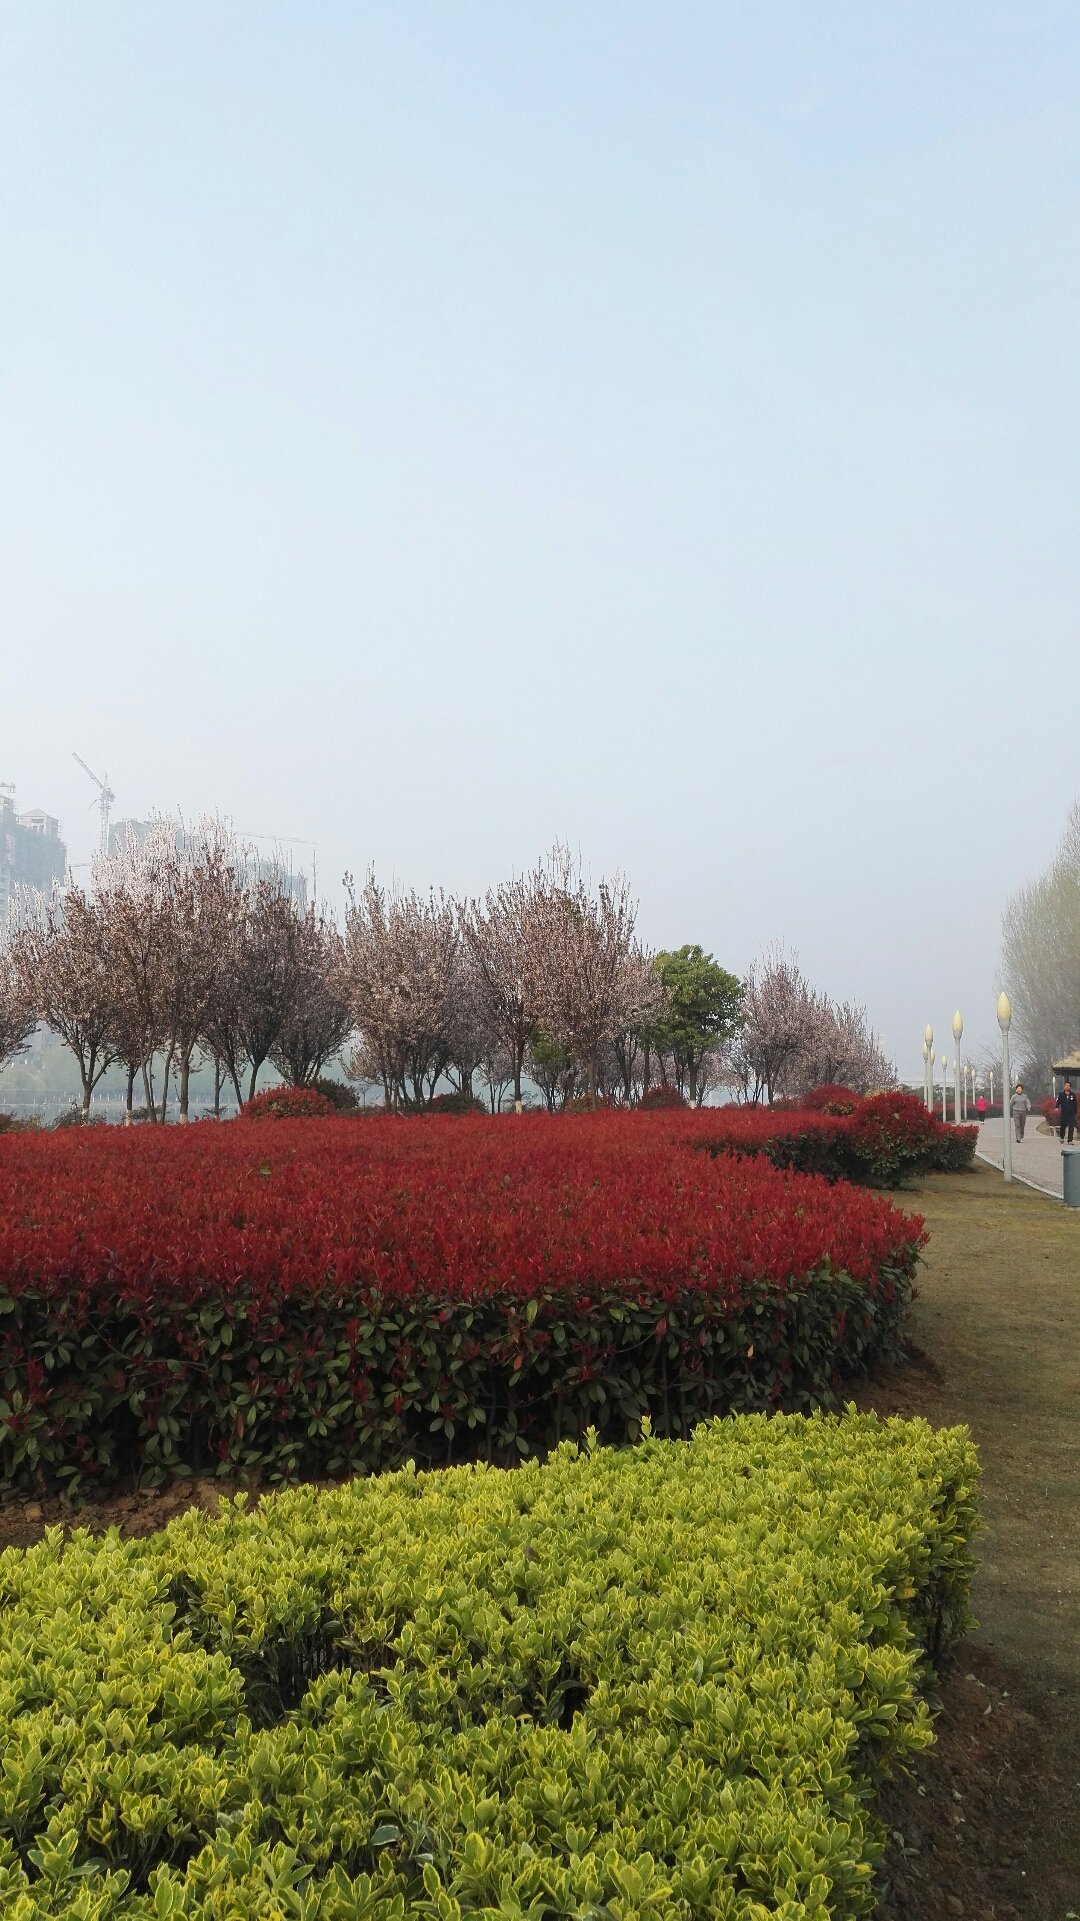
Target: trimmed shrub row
{"type": "Point", "coordinates": [325, 1299]}
{"type": "Point", "coordinates": [659, 1683]}
{"type": "Point", "coordinates": [883, 1140]}
{"type": "Point", "coordinates": [877, 1139]}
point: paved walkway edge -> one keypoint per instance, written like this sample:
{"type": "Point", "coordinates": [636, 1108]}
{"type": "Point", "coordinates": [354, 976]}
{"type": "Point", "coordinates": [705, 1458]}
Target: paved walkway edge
{"type": "Point", "coordinates": [1046, 1192]}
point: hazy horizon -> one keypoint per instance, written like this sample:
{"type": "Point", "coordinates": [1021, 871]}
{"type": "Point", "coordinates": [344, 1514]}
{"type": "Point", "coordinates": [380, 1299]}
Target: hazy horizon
{"type": "Point", "coordinates": [430, 434]}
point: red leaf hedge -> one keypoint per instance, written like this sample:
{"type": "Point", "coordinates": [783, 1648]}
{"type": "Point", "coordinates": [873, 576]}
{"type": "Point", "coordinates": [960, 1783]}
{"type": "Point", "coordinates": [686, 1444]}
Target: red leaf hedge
{"type": "Point", "coordinates": [885, 1139]}
{"type": "Point", "coordinates": [329, 1297]}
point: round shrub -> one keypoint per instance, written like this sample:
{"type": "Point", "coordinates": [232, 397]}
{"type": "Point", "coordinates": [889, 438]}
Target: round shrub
{"type": "Point", "coordinates": [455, 1103]}
{"type": "Point", "coordinates": [831, 1099]}
{"type": "Point", "coordinates": [342, 1098]}
{"type": "Point", "coordinates": [891, 1135]}
{"type": "Point", "coordinates": [659, 1098]}
{"type": "Point", "coordinates": [954, 1148]}
{"type": "Point", "coordinates": [288, 1104]}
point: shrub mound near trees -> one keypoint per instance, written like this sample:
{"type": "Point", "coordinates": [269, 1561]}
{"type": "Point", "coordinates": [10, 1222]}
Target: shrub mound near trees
{"type": "Point", "coordinates": [831, 1098]}
{"type": "Point", "coordinates": [326, 1298]}
{"type": "Point", "coordinates": [288, 1104]}
{"type": "Point", "coordinates": [661, 1682]}
{"type": "Point", "coordinates": [340, 1095]}
{"type": "Point", "coordinates": [884, 1138]}
{"type": "Point", "coordinates": [456, 1103]}
{"type": "Point", "coordinates": [660, 1098]}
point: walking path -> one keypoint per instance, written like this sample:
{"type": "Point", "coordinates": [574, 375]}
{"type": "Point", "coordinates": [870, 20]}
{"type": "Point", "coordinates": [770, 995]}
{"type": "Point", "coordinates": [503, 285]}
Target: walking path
{"type": "Point", "coordinates": [1036, 1159]}
{"type": "Point", "coordinates": [999, 1314]}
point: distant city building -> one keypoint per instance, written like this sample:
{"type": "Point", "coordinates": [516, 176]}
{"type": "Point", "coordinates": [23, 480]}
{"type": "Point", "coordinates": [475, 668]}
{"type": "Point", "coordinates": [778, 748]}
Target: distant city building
{"type": "Point", "coordinates": [280, 873]}
{"type": "Point", "coordinates": [123, 832]}
{"type": "Point", "coordinates": [32, 854]}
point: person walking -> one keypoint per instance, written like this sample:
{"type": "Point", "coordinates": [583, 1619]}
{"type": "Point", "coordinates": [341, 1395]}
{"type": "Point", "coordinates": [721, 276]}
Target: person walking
{"type": "Point", "coordinates": [1019, 1108]}
{"type": "Point", "coordinates": [1066, 1107]}
{"type": "Point", "coordinates": [980, 1108]}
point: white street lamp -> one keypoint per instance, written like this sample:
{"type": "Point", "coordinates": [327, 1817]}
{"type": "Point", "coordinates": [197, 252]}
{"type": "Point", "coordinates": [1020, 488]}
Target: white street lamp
{"type": "Point", "coordinates": [957, 1028]}
{"type": "Point", "coordinates": [1004, 1014]}
{"type": "Point", "coordinates": [944, 1065]}
{"type": "Point", "coordinates": [928, 1072]}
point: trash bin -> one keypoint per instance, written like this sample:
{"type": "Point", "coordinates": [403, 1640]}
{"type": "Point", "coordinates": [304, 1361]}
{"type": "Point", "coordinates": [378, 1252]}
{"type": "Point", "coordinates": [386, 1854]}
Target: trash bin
{"type": "Point", "coordinates": [1070, 1176]}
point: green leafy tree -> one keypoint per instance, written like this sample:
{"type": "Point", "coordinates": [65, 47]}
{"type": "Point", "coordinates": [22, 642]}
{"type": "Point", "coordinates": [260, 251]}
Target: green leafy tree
{"type": "Point", "coordinates": [704, 1010]}
{"type": "Point", "coordinates": [551, 1067]}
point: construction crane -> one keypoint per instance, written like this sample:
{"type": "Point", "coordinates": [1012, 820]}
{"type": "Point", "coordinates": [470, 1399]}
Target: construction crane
{"type": "Point", "coordinates": [105, 802]}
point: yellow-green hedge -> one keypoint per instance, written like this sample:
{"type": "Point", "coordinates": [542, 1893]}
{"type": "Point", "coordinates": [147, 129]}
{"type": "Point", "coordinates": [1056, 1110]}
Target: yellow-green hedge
{"type": "Point", "coordinates": [661, 1682]}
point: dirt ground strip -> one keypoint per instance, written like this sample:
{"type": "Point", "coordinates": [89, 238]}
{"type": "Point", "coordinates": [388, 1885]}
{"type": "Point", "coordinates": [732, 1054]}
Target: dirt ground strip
{"type": "Point", "coordinates": [988, 1827]}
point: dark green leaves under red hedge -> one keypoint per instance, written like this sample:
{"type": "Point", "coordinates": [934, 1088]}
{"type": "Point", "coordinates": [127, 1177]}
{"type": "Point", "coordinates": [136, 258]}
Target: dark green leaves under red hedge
{"type": "Point", "coordinates": [327, 1296]}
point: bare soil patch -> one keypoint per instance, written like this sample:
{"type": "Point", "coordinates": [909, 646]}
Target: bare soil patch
{"type": "Point", "coordinates": [133, 1511]}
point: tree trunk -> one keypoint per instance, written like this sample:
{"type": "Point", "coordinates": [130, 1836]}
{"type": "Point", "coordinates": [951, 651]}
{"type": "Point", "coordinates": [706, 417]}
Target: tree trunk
{"type": "Point", "coordinates": [150, 1100]}
{"type": "Point", "coordinates": [129, 1095]}
{"type": "Point", "coordinates": [255, 1066]}
{"type": "Point", "coordinates": [165, 1087]}
{"type": "Point", "coordinates": [519, 1057]}
{"type": "Point", "coordinates": [185, 1077]}
{"type": "Point", "coordinates": [691, 1082]}
{"type": "Point", "coordinates": [219, 1076]}
{"type": "Point", "coordinates": [646, 1068]}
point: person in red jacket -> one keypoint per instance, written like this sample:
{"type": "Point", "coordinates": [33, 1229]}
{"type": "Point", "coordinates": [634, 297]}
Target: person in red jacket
{"type": "Point", "coordinates": [980, 1108]}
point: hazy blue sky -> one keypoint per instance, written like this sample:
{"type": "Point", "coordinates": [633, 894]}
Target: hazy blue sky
{"type": "Point", "coordinates": [428, 430]}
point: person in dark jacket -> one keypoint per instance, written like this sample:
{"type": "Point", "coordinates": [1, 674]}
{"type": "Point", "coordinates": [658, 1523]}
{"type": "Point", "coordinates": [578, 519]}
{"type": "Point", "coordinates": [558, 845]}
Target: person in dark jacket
{"type": "Point", "coordinates": [1066, 1107]}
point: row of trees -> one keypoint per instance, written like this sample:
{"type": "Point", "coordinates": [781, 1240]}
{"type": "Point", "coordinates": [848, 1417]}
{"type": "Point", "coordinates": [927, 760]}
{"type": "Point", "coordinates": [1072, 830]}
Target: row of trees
{"type": "Point", "coordinates": [178, 954]}
{"type": "Point", "coordinates": [793, 1037]}
{"type": "Point", "coordinates": [1041, 960]}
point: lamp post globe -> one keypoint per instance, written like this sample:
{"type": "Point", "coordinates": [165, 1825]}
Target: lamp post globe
{"type": "Point", "coordinates": [928, 1071]}
{"type": "Point", "coordinates": [1004, 1018]}
{"type": "Point", "coordinates": [957, 1028]}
